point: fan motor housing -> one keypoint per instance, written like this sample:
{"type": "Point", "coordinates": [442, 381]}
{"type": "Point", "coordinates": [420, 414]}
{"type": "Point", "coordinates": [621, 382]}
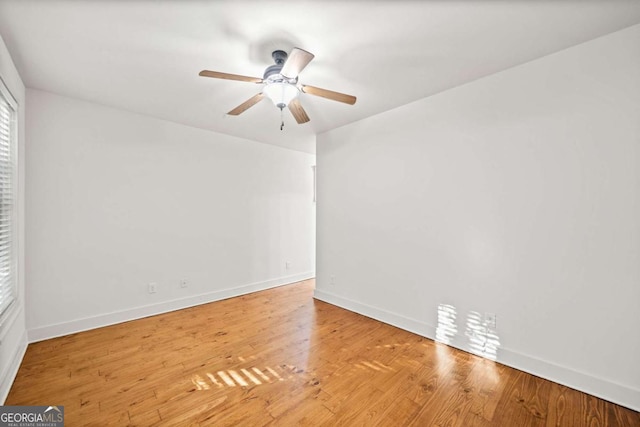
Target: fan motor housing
{"type": "Point", "coordinates": [272, 72]}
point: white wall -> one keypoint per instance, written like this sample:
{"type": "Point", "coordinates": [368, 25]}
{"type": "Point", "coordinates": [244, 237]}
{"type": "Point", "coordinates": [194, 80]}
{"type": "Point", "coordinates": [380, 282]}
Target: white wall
{"type": "Point", "coordinates": [13, 333]}
{"type": "Point", "coordinates": [117, 200]}
{"type": "Point", "coordinates": [517, 194]}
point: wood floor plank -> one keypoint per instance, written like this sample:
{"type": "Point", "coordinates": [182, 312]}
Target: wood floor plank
{"type": "Point", "coordinates": [487, 397]}
{"type": "Point", "coordinates": [448, 404]}
{"type": "Point", "coordinates": [619, 416]}
{"type": "Point", "coordinates": [564, 407]}
{"type": "Point", "coordinates": [595, 414]}
{"type": "Point", "coordinates": [281, 358]}
{"type": "Point", "coordinates": [523, 401]}
{"type": "Point", "coordinates": [401, 409]}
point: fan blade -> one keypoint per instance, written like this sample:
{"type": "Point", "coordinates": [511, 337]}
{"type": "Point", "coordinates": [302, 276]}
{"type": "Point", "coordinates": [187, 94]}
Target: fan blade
{"type": "Point", "coordinates": [298, 112]}
{"type": "Point", "coordinates": [227, 76]}
{"type": "Point", "coordinates": [246, 105]}
{"type": "Point", "coordinates": [296, 61]}
{"type": "Point", "coordinates": [329, 94]}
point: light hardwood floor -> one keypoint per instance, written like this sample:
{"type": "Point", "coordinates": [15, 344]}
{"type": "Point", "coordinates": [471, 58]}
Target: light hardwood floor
{"type": "Point", "coordinates": [279, 357]}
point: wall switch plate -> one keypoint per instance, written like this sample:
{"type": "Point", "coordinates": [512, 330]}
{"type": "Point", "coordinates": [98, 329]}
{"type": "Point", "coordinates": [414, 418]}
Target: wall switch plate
{"type": "Point", "coordinates": [490, 320]}
{"type": "Point", "coordinates": [184, 283]}
{"type": "Point", "coordinates": [153, 288]}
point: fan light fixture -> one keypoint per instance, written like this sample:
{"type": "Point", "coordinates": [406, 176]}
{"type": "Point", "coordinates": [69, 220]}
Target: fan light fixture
{"type": "Point", "coordinates": [281, 94]}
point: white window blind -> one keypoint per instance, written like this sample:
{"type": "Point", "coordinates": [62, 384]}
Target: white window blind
{"type": "Point", "coordinates": [7, 143]}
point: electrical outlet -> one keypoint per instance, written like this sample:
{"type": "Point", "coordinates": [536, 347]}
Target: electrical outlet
{"type": "Point", "coordinates": [490, 320]}
{"type": "Point", "coordinates": [184, 283]}
{"type": "Point", "coordinates": [287, 265]}
{"type": "Point", "coordinates": [332, 280]}
{"type": "Point", "coordinates": [153, 288]}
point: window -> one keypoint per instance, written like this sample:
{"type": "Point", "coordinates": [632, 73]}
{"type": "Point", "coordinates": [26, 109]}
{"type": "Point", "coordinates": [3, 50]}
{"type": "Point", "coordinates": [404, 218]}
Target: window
{"type": "Point", "coordinates": [7, 196]}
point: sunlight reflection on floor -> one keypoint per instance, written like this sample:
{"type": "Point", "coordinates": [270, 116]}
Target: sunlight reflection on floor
{"type": "Point", "coordinates": [253, 376]}
{"type": "Point", "coordinates": [244, 377]}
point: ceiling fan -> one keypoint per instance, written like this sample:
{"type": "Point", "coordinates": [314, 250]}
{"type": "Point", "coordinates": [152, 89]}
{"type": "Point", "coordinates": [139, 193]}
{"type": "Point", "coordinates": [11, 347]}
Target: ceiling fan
{"type": "Point", "coordinates": [281, 85]}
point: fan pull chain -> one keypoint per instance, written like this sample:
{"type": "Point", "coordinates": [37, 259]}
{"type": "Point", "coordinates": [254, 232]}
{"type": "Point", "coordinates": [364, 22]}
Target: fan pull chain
{"type": "Point", "coordinates": [281, 118]}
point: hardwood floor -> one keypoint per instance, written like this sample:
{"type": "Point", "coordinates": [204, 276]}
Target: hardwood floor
{"type": "Point", "coordinates": [279, 357]}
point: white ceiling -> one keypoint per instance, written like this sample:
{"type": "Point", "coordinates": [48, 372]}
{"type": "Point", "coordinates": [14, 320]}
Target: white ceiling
{"type": "Point", "coordinates": [144, 56]}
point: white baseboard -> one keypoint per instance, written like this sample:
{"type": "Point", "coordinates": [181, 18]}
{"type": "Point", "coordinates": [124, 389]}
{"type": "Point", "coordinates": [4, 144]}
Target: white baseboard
{"type": "Point", "coordinates": [617, 393]}
{"type": "Point", "coordinates": [107, 319]}
{"type": "Point", "coordinates": [6, 380]}
{"type": "Point", "coordinates": [402, 322]}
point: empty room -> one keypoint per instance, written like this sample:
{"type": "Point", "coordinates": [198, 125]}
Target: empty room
{"type": "Point", "coordinates": [376, 213]}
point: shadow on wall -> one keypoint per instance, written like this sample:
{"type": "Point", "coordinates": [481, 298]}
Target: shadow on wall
{"type": "Point", "coordinates": [483, 340]}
